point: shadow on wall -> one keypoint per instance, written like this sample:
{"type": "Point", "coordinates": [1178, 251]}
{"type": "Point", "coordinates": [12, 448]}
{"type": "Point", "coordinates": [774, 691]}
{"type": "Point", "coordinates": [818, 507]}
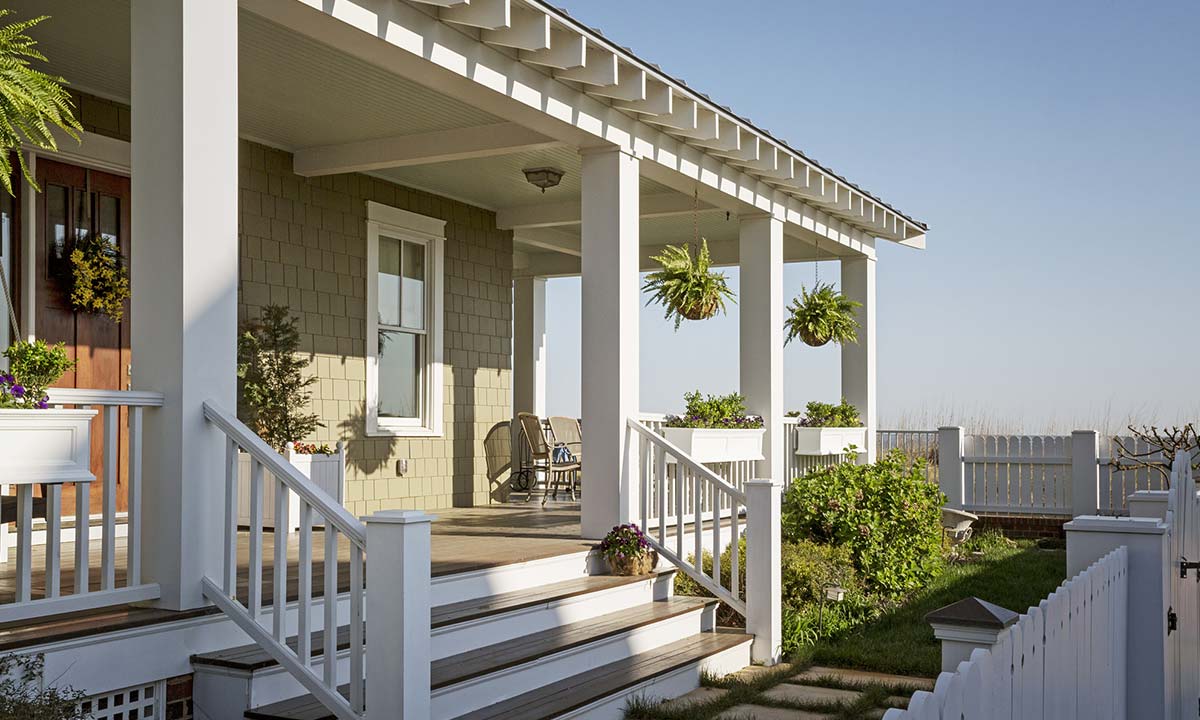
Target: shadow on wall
{"type": "Point", "coordinates": [362, 452]}
{"type": "Point", "coordinates": [497, 449]}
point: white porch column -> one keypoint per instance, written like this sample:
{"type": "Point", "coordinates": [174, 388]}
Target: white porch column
{"type": "Point", "coordinates": [858, 359]}
{"type": "Point", "coordinates": [184, 266]}
{"type": "Point", "coordinates": [609, 363]}
{"type": "Point", "coordinates": [761, 306]}
{"type": "Point", "coordinates": [529, 354]}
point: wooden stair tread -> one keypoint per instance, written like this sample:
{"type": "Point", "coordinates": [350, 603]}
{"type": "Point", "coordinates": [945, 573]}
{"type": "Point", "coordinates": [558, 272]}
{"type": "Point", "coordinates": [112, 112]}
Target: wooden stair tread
{"type": "Point", "coordinates": [558, 697]}
{"type": "Point", "coordinates": [252, 657]}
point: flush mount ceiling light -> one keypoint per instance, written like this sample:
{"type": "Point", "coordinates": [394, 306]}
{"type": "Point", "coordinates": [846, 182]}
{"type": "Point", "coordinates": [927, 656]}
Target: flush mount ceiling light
{"type": "Point", "coordinates": [543, 177]}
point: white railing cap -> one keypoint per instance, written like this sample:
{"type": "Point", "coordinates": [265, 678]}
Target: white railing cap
{"type": "Point", "coordinates": [399, 517]}
{"type": "Point", "coordinates": [88, 396]}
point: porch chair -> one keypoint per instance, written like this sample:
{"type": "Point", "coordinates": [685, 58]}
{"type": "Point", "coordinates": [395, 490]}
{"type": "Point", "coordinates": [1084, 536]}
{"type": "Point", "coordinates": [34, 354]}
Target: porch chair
{"type": "Point", "coordinates": [541, 455]}
{"type": "Point", "coordinates": [567, 435]}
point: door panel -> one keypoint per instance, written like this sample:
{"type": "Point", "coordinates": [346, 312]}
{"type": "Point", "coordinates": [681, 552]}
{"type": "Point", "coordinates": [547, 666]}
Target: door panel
{"type": "Point", "coordinates": [76, 203]}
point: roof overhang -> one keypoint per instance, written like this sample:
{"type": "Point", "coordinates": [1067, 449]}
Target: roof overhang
{"type": "Point", "coordinates": [533, 65]}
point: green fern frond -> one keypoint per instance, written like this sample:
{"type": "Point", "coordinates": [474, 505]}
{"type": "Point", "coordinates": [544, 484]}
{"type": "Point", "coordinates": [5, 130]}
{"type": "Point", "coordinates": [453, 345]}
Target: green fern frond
{"type": "Point", "coordinates": [686, 286]}
{"type": "Point", "coordinates": [821, 316]}
{"type": "Point", "coordinates": [31, 102]}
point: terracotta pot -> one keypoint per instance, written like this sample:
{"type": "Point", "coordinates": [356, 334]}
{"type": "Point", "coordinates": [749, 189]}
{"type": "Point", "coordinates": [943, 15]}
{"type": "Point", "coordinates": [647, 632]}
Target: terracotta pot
{"type": "Point", "coordinates": [640, 565]}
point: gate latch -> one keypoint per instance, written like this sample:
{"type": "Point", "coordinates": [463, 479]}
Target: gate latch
{"type": "Point", "coordinates": [1172, 621]}
{"type": "Point", "coordinates": [1185, 565]}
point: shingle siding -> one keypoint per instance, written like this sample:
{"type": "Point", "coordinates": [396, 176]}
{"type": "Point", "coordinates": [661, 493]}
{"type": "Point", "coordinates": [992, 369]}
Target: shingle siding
{"type": "Point", "coordinates": [303, 244]}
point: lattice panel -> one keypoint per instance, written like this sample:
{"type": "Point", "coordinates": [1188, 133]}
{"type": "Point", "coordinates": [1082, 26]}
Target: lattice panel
{"type": "Point", "coordinates": [143, 702]}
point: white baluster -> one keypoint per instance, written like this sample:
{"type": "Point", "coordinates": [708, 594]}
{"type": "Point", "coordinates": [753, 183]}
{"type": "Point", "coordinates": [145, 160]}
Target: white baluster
{"type": "Point", "coordinates": [331, 592]}
{"type": "Point", "coordinates": [304, 568]}
{"type": "Point", "coordinates": [83, 531]}
{"type": "Point", "coordinates": [108, 535]}
{"type": "Point", "coordinates": [357, 687]}
{"type": "Point", "coordinates": [716, 537]}
{"type": "Point", "coordinates": [133, 535]}
{"type": "Point", "coordinates": [256, 538]}
{"type": "Point", "coordinates": [698, 521]}
{"type": "Point", "coordinates": [279, 571]}
{"type": "Point", "coordinates": [24, 542]}
{"type": "Point", "coordinates": [644, 480]}
{"type": "Point", "coordinates": [679, 482]}
{"type": "Point", "coordinates": [660, 476]}
{"type": "Point", "coordinates": [734, 555]}
{"type": "Point", "coordinates": [53, 539]}
{"type": "Point", "coordinates": [231, 517]}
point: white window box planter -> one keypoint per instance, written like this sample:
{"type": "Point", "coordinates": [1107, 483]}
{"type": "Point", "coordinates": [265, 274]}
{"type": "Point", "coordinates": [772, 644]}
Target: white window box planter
{"type": "Point", "coordinates": [328, 472]}
{"type": "Point", "coordinates": [829, 440]}
{"type": "Point", "coordinates": [45, 446]}
{"type": "Point", "coordinates": [717, 445]}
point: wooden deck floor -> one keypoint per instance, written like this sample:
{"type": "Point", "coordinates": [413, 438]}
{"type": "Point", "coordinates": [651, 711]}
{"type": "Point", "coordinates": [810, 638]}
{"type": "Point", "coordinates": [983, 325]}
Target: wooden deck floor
{"type": "Point", "coordinates": [463, 539]}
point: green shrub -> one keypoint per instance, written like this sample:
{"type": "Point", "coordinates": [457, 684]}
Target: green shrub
{"type": "Point", "coordinates": [273, 390]}
{"type": "Point", "coordinates": [33, 367]}
{"type": "Point", "coordinates": [819, 414]}
{"type": "Point", "coordinates": [25, 695]}
{"type": "Point", "coordinates": [886, 514]}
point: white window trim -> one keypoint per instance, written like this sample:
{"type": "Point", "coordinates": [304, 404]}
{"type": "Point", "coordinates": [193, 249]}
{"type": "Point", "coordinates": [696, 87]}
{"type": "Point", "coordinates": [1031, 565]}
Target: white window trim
{"type": "Point", "coordinates": [431, 232]}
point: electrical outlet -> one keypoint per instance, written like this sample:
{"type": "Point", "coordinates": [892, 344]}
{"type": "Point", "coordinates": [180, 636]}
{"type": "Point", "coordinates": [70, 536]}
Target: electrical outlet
{"type": "Point", "coordinates": [402, 467]}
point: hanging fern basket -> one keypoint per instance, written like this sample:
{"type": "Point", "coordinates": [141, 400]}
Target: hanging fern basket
{"type": "Point", "coordinates": [686, 286]}
{"type": "Point", "coordinates": [821, 316]}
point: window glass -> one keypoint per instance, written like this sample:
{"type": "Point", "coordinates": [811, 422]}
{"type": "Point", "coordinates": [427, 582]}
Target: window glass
{"type": "Point", "coordinates": [108, 218]}
{"type": "Point", "coordinates": [56, 228]}
{"type": "Point", "coordinates": [6, 258]}
{"type": "Point", "coordinates": [82, 208]}
{"type": "Point", "coordinates": [412, 296]}
{"type": "Point", "coordinates": [389, 281]}
{"type": "Point", "coordinates": [401, 360]}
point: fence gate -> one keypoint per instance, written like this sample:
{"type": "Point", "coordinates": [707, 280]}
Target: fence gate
{"type": "Point", "coordinates": [1183, 571]}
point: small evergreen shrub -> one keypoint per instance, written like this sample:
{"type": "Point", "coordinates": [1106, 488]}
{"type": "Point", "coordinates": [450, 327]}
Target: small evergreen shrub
{"type": "Point", "coordinates": [886, 514]}
{"type": "Point", "coordinates": [274, 392]}
{"type": "Point", "coordinates": [714, 411]}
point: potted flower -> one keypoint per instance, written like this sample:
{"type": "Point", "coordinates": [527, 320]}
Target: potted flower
{"type": "Point", "coordinates": [716, 429]}
{"type": "Point", "coordinates": [627, 551]}
{"type": "Point", "coordinates": [273, 400]}
{"type": "Point", "coordinates": [828, 429]}
{"type": "Point", "coordinates": [39, 443]}
{"type": "Point", "coordinates": [687, 287]}
{"type": "Point", "coordinates": [822, 315]}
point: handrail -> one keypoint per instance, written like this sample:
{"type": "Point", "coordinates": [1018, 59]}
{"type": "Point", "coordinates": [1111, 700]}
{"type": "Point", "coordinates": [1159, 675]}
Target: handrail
{"type": "Point", "coordinates": [341, 518]}
{"type": "Point", "coordinates": [88, 396]}
{"type": "Point", "coordinates": [682, 457]}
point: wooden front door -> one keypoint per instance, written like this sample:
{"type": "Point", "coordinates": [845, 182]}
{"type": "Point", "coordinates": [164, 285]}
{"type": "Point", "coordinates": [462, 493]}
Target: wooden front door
{"type": "Point", "coordinates": [75, 203]}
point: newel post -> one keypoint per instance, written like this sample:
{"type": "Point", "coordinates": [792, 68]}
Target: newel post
{"type": "Point", "coordinates": [398, 599]}
{"type": "Point", "coordinates": [764, 584]}
{"type": "Point", "coordinates": [950, 465]}
{"type": "Point", "coordinates": [1085, 472]}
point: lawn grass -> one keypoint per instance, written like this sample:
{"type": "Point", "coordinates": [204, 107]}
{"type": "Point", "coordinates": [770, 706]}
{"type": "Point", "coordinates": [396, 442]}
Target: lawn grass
{"type": "Point", "coordinates": [1015, 576]}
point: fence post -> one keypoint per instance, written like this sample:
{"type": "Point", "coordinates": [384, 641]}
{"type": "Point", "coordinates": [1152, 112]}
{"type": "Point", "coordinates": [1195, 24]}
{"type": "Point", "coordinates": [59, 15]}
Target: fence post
{"type": "Point", "coordinates": [764, 584]}
{"type": "Point", "coordinates": [1085, 472]}
{"type": "Point", "coordinates": [398, 599]}
{"type": "Point", "coordinates": [950, 465]}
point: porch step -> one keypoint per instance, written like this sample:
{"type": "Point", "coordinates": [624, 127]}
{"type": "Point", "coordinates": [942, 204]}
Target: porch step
{"type": "Point", "coordinates": [477, 677]}
{"type": "Point", "coordinates": [252, 657]}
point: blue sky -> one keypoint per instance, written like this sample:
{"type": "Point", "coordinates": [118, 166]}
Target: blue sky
{"type": "Point", "coordinates": [1052, 147]}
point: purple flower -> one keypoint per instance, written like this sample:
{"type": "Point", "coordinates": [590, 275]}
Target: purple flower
{"type": "Point", "coordinates": [18, 391]}
{"type": "Point", "coordinates": [42, 404]}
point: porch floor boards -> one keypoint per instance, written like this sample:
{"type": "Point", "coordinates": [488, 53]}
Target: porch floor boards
{"type": "Point", "coordinates": [463, 539]}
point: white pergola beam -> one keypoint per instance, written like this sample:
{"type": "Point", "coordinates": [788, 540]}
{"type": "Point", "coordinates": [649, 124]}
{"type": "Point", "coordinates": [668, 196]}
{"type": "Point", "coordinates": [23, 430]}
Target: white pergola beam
{"type": "Point", "coordinates": [567, 50]}
{"type": "Point", "coordinates": [599, 68]}
{"type": "Point", "coordinates": [726, 140]}
{"type": "Point", "coordinates": [547, 238]}
{"type": "Point", "coordinates": [443, 3]}
{"type": "Point", "coordinates": [630, 85]}
{"type": "Point", "coordinates": [485, 14]}
{"type": "Point", "coordinates": [419, 149]}
{"type": "Point", "coordinates": [546, 215]}
{"type": "Point", "coordinates": [659, 100]}
{"type": "Point", "coordinates": [529, 31]}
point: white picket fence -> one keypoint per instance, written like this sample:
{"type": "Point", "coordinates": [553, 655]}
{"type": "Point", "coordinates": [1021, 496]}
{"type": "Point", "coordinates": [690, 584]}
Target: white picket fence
{"type": "Point", "coordinates": [1065, 658]}
{"type": "Point", "coordinates": [1028, 474]}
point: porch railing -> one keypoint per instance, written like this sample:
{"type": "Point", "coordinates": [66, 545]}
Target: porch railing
{"type": "Point", "coordinates": [400, 580]}
{"type": "Point", "coordinates": [678, 495]}
{"type": "Point", "coordinates": [86, 589]}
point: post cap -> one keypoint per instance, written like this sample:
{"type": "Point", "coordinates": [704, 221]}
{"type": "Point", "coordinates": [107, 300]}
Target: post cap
{"type": "Point", "coordinates": [399, 517]}
{"type": "Point", "coordinates": [974, 613]}
{"type": "Point", "coordinates": [764, 482]}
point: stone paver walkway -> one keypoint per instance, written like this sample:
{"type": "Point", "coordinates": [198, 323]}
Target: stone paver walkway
{"type": "Point", "coordinates": [806, 694]}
